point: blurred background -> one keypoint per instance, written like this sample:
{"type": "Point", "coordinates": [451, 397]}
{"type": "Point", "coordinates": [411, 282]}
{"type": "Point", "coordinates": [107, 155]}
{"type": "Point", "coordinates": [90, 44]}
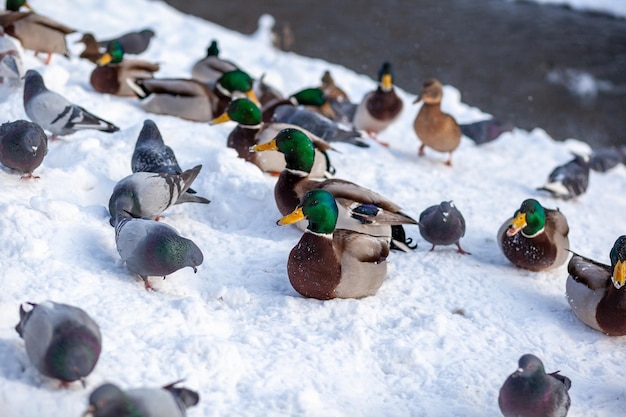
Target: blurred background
{"type": "Point", "coordinates": [528, 64]}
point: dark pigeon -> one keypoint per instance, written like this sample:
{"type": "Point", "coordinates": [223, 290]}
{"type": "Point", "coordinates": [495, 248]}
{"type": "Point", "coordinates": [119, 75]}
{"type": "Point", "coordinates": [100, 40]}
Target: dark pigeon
{"type": "Point", "coordinates": [151, 248]}
{"type": "Point", "coordinates": [604, 159]}
{"type": "Point", "coordinates": [132, 42]}
{"type": "Point", "coordinates": [23, 145]}
{"type": "Point", "coordinates": [484, 131]}
{"type": "Point", "coordinates": [55, 113]}
{"type": "Point", "coordinates": [569, 180]}
{"type": "Point", "coordinates": [443, 224]}
{"type": "Point", "coordinates": [152, 154]}
{"type": "Point", "coordinates": [530, 392]}
{"type": "Point", "coordinates": [61, 340]}
{"type": "Point", "coordinates": [109, 400]}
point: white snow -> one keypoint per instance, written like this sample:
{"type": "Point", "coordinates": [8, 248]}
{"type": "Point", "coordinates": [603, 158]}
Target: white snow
{"type": "Point", "coordinates": [438, 339]}
{"type": "Point", "coordinates": [611, 7]}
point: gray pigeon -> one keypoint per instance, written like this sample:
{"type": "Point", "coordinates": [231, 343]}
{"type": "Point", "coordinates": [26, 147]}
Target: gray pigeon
{"type": "Point", "coordinates": [54, 112]}
{"type": "Point", "coordinates": [109, 400]}
{"type": "Point", "coordinates": [148, 194]}
{"type": "Point", "coordinates": [530, 392]}
{"type": "Point", "coordinates": [151, 248]}
{"type": "Point", "coordinates": [23, 145]}
{"type": "Point", "coordinates": [604, 159]}
{"type": "Point", "coordinates": [11, 68]}
{"type": "Point", "coordinates": [61, 340]}
{"type": "Point", "coordinates": [443, 224]}
{"type": "Point", "coordinates": [569, 180]}
{"type": "Point", "coordinates": [132, 42]}
{"type": "Point", "coordinates": [485, 131]}
{"type": "Point", "coordinates": [317, 124]}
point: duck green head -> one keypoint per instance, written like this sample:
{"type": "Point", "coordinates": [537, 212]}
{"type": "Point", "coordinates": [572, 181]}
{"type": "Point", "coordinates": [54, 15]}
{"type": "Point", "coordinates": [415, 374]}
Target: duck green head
{"type": "Point", "coordinates": [242, 111]}
{"type": "Point", "coordinates": [385, 76]}
{"type": "Point", "coordinates": [310, 97]}
{"type": "Point", "coordinates": [236, 82]}
{"type": "Point", "coordinates": [113, 55]}
{"type": "Point", "coordinates": [618, 262]}
{"type": "Point", "coordinates": [530, 218]}
{"type": "Point", "coordinates": [314, 97]}
{"type": "Point", "coordinates": [295, 145]}
{"type": "Point", "coordinates": [15, 5]}
{"type": "Point", "coordinates": [213, 50]}
{"type": "Point", "coordinates": [319, 207]}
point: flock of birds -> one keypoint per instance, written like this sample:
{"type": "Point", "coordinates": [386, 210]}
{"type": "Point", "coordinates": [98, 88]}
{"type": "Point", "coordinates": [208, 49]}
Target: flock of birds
{"type": "Point", "coordinates": [349, 232]}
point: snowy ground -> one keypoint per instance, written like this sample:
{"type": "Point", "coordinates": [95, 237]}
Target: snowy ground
{"type": "Point", "coordinates": [438, 339]}
{"type": "Point", "coordinates": [612, 7]}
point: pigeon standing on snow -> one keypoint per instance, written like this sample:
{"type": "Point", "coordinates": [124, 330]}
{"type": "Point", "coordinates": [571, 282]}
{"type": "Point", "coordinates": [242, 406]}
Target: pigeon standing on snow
{"type": "Point", "coordinates": [151, 154]}
{"type": "Point", "coordinates": [23, 145]}
{"type": "Point", "coordinates": [11, 68]}
{"type": "Point", "coordinates": [109, 400]}
{"type": "Point", "coordinates": [132, 42]}
{"type": "Point", "coordinates": [61, 340]}
{"type": "Point", "coordinates": [484, 131]}
{"type": "Point", "coordinates": [530, 392]}
{"type": "Point", "coordinates": [151, 248]}
{"type": "Point", "coordinates": [569, 180]}
{"type": "Point", "coordinates": [148, 194]}
{"type": "Point", "coordinates": [54, 112]}
{"type": "Point", "coordinates": [443, 224]}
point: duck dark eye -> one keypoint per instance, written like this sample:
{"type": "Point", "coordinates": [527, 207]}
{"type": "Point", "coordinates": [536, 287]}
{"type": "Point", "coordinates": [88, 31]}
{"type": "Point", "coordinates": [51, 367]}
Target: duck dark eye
{"type": "Point", "coordinates": [315, 203]}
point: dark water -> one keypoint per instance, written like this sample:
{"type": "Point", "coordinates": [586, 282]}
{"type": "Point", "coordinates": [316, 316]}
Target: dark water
{"type": "Point", "coordinates": [501, 55]}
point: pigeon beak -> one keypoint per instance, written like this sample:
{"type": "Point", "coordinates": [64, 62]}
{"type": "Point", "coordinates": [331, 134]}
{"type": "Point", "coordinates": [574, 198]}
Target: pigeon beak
{"type": "Point", "coordinates": [195, 269]}
{"type": "Point", "coordinates": [518, 223]}
{"type": "Point", "coordinates": [619, 274]}
{"type": "Point", "coordinates": [90, 411]}
{"type": "Point", "coordinates": [417, 100]}
{"type": "Point", "coordinates": [269, 146]}
{"type": "Point", "coordinates": [293, 217]}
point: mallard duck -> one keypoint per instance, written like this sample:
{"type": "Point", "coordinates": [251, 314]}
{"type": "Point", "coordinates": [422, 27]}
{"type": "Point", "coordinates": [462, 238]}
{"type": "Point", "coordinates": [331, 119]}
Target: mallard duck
{"type": "Point", "coordinates": [596, 292]}
{"type": "Point", "coordinates": [134, 42]}
{"type": "Point", "coordinates": [436, 129]}
{"type": "Point", "coordinates": [535, 238]}
{"type": "Point", "coordinates": [190, 99]}
{"type": "Point", "coordinates": [211, 67]}
{"type": "Point", "coordinates": [361, 209]}
{"type": "Point", "coordinates": [569, 180]}
{"type": "Point", "coordinates": [113, 70]}
{"type": "Point", "coordinates": [92, 50]}
{"type": "Point", "coordinates": [252, 131]}
{"type": "Point", "coordinates": [16, 5]}
{"type": "Point", "coordinates": [333, 263]}
{"type": "Point", "coordinates": [331, 90]}
{"type": "Point", "coordinates": [297, 110]}
{"type": "Point", "coordinates": [307, 97]}
{"type": "Point", "coordinates": [381, 107]}
{"type": "Point", "coordinates": [36, 32]}
{"type": "Point", "coordinates": [343, 108]}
